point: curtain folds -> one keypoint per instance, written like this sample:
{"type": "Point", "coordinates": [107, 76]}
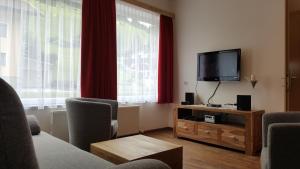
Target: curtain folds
{"type": "Point", "coordinates": [165, 61]}
{"type": "Point", "coordinates": [98, 49]}
{"type": "Point", "coordinates": [40, 49]}
{"type": "Point", "coordinates": [137, 42]}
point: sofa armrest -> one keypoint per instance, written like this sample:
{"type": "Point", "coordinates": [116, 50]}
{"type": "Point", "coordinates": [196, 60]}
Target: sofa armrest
{"type": "Point", "coordinates": [280, 117]}
{"type": "Point", "coordinates": [283, 145]}
{"type": "Point", "coordinates": [143, 164]}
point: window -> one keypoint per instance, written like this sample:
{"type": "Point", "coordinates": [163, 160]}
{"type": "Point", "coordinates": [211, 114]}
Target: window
{"type": "Point", "coordinates": [3, 30]}
{"type": "Point", "coordinates": [2, 59]}
{"type": "Point", "coordinates": [44, 49]}
{"type": "Point", "coordinates": [137, 48]}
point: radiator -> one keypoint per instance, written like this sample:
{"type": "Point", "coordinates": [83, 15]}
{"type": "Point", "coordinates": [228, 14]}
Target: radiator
{"type": "Point", "coordinates": [128, 119]}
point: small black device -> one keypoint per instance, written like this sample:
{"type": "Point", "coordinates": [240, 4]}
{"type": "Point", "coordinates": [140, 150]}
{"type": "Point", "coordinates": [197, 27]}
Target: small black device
{"type": "Point", "coordinates": [189, 97]}
{"type": "Point", "coordinates": [214, 105]}
{"type": "Point", "coordinates": [221, 65]}
{"type": "Point", "coordinates": [185, 103]}
{"type": "Point", "coordinates": [244, 102]}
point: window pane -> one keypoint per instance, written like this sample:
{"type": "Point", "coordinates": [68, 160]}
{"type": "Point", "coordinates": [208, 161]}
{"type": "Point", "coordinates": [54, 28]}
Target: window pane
{"type": "Point", "coordinates": [2, 59]}
{"type": "Point", "coordinates": [43, 48]}
{"type": "Point", "coordinates": [137, 46]}
{"type": "Point", "coordinates": [3, 30]}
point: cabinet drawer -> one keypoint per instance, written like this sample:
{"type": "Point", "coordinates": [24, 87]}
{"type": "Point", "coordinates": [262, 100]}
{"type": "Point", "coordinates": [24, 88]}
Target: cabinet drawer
{"type": "Point", "coordinates": [186, 127]}
{"type": "Point", "coordinates": [207, 132]}
{"type": "Point", "coordinates": [233, 137]}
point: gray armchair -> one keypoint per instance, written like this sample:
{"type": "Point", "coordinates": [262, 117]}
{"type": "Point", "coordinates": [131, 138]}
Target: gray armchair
{"type": "Point", "coordinates": [91, 120]}
{"type": "Point", "coordinates": [281, 141]}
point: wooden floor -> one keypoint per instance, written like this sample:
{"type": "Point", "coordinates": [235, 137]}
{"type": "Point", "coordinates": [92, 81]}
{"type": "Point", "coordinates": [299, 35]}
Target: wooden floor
{"type": "Point", "coordinates": [197, 155]}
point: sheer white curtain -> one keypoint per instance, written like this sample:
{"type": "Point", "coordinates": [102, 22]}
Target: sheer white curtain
{"type": "Point", "coordinates": [40, 49]}
{"type": "Point", "coordinates": [137, 43]}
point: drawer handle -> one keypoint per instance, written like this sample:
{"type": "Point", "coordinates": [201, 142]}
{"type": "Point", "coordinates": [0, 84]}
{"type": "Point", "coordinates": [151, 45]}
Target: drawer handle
{"type": "Point", "coordinates": [234, 138]}
{"type": "Point", "coordinates": [207, 132]}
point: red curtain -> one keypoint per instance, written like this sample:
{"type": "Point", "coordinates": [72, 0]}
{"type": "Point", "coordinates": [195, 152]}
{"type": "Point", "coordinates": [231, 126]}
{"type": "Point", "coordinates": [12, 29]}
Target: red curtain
{"type": "Point", "coordinates": [165, 60]}
{"type": "Point", "coordinates": [98, 49]}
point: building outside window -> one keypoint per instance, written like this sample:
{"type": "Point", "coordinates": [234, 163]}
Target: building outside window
{"type": "Point", "coordinates": [3, 30]}
{"type": "Point", "coordinates": [42, 42]}
{"type": "Point", "coordinates": [2, 59]}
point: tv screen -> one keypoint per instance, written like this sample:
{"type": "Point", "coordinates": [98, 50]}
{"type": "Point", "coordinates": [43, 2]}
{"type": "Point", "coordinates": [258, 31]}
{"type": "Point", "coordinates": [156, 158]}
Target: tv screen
{"type": "Point", "coordinates": [219, 65]}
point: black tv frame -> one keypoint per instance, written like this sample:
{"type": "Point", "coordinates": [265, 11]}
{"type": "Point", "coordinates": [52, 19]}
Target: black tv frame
{"type": "Point", "coordinates": [224, 78]}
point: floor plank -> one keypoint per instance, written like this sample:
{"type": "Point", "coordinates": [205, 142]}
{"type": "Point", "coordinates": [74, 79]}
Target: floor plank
{"type": "Point", "coordinates": [197, 155]}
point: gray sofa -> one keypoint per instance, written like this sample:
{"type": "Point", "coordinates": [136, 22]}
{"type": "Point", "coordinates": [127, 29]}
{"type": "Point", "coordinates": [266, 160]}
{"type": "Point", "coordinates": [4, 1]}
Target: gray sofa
{"type": "Point", "coordinates": [20, 150]}
{"type": "Point", "coordinates": [281, 141]}
{"type": "Point", "coordinates": [53, 153]}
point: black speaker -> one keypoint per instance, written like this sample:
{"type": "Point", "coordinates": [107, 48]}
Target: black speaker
{"type": "Point", "coordinates": [244, 102]}
{"type": "Point", "coordinates": [189, 97]}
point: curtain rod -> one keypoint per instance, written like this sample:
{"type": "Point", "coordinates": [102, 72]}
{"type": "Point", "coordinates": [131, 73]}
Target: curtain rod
{"type": "Point", "coordinates": [150, 7]}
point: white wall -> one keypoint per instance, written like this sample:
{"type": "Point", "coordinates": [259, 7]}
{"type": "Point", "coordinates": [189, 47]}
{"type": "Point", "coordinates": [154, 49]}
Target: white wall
{"type": "Point", "coordinates": [154, 116]}
{"type": "Point", "coordinates": [256, 26]}
{"type": "Point", "coordinates": [166, 5]}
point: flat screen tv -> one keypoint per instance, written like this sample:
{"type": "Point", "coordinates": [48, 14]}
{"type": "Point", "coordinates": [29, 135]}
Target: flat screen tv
{"type": "Point", "coordinates": [219, 65]}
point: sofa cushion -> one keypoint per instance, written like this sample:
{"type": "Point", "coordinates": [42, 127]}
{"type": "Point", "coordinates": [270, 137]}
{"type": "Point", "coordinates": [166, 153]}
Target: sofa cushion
{"type": "Point", "coordinates": [33, 124]}
{"type": "Point", "coordinates": [53, 153]}
{"type": "Point", "coordinates": [16, 147]}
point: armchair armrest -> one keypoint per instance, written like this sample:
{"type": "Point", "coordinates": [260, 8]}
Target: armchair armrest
{"type": "Point", "coordinates": [280, 117]}
{"type": "Point", "coordinates": [114, 107]}
{"type": "Point", "coordinates": [112, 103]}
{"type": "Point", "coordinates": [283, 145]}
{"type": "Point", "coordinates": [143, 164]}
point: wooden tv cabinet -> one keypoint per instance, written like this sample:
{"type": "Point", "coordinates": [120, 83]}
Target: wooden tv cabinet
{"type": "Point", "coordinates": [244, 136]}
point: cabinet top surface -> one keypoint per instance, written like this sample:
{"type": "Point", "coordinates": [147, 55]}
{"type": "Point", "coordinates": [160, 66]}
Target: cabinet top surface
{"type": "Point", "coordinates": [219, 110]}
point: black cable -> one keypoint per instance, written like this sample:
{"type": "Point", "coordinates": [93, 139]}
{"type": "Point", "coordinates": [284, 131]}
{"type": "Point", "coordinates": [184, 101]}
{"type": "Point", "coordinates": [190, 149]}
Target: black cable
{"type": "Point", "coordinates": [196, 89]}
{"type": "Point", "coordinates": [208, 101]}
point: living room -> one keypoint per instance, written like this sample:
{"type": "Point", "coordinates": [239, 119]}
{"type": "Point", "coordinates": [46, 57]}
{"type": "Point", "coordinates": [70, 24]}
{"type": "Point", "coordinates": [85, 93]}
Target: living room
{"type": "Point", "coordinates": [144, 55]}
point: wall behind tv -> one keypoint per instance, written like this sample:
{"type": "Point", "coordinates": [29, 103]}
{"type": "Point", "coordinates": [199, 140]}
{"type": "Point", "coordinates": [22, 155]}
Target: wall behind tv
{"type": "Point", "coordinates": [258, 27]}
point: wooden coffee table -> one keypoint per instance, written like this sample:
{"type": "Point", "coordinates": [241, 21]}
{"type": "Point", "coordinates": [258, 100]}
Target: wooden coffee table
{"type": "Point", "coordinates": [136, 147]}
